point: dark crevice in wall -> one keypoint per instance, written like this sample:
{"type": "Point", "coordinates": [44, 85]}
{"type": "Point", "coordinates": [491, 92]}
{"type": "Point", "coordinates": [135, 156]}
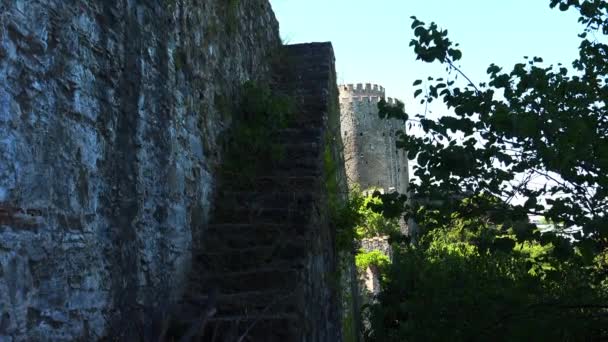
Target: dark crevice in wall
{"type": "Point", "coordinates": [122, 169]}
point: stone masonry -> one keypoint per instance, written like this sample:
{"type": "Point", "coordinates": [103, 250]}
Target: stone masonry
{"type": "Point", "coordinates": [109, 118]}
{"type": "Point", "coordinates": [370, 279]}
{"type": "Point", "coordinates": [372, 159]}
{"type": "Point", "coordinates": [269, 249]}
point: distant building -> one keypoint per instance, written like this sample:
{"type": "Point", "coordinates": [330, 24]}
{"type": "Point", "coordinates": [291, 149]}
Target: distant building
{"type": "Point", "coordinates": [372, 159]}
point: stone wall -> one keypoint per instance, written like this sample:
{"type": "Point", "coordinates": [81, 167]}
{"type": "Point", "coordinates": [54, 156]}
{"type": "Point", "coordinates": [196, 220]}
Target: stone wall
{"type": "Point", "coordinates": [377, 243]}
{"type": "Point", "coordinates": [268, 258]}
{"type": "Point", "coordinates": [370, 278]}
{"type": "Point", "coordinates": [372, 159]}
{"type": "Point", "coordinates": [110, 113]}
{"type": "Point", "coordinates": [319, 102]}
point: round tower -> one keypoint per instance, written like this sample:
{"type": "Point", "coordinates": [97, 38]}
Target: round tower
{"type": "Point", "coordinates": [371, 156]}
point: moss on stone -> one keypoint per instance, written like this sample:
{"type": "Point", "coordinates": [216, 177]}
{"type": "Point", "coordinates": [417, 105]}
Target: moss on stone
{"type": "Point", "coordinates": [258, 118]}
{"type": "Point", "coordinates": [179, 59]}
{"type": "Point", "coordinates": [232, 7]}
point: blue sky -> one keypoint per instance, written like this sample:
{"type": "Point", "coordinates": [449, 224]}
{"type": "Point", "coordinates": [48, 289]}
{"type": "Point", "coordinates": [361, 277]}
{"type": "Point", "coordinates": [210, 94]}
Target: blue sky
{"type": "Point", "coordinates": [371, 38]}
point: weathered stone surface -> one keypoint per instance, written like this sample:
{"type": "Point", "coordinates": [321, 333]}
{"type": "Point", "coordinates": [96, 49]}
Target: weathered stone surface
{"type": "Point", "coordinates": [270, 250]}
{"type": "Point", "coordinates": [372, 157]}
{"type": "Point", "coordinates": [109, 118]}
{"type": "Point", "coordinates": [321, 286]}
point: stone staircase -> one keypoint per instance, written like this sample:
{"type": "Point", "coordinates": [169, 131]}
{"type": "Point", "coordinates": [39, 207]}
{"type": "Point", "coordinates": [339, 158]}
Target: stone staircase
{"type": "Point", "coordinates": [257, 251]}
{"type": "Point", "coordinates": [254, 253]}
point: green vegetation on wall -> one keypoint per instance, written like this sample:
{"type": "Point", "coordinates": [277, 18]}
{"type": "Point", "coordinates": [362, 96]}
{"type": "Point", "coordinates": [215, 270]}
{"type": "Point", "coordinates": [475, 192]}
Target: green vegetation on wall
{"type": "Point", "coordinates": [373, 220]}
{"type": "Point", "coordinates": [374, 258]}
{"type": "Point", "coordinates": [343, 213]}
{"type": "Point", "coordinates": [251, 141]}
{"type": "Point", "coordinates": [231, 15]}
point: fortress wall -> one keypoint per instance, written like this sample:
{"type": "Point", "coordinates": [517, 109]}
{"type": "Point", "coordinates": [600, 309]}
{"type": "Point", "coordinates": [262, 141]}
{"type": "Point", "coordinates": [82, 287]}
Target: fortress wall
{"type": "Point", "coordinates": [110, 113]}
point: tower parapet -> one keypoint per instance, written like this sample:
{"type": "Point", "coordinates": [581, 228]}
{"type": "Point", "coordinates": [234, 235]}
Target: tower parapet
{"type": "Point", "coordinates": [391, 101]}
{"type": "Point", "coordinates": [372, 158]}
{"type": "Point", "coordinates": [364, 93]}
{"type": "Point", "coordinates": [362, 89]}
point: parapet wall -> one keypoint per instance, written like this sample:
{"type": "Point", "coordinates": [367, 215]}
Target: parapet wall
{"type": "Point", "coordinates": [364, 93]}
{"type": "Point", "coordinates": [360, 89]}
{"type": "Point", "coordinates": [377, 243]}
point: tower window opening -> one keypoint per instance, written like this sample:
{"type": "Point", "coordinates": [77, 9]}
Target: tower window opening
{"type": "Point", "coordinates": [361, 134]}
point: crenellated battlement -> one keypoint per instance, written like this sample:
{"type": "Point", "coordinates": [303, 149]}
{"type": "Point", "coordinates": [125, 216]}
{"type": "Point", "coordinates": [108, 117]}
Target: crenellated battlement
{"type": "Point", "coordinates": [361, 89]}
{"type": "Point", "coordinates": [371, 141]}
{"type": "Point", "coordinates": [362, 93]}
{"type": "Point", "coordinates": [372, 159]}
{"type": "Point", "coordinates": [370, 99]}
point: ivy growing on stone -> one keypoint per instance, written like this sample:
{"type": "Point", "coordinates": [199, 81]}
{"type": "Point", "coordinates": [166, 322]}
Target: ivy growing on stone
{"type": "Point", "coordinates": [251, 142]}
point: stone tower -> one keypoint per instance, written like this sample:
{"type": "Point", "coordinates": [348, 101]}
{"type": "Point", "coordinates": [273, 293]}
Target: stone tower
{"type": "Point", "coordinates": [372, 159]}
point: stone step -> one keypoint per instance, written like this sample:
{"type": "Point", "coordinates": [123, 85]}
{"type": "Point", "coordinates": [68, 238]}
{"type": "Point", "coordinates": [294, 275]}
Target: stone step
{"type": "Point", "coordinates": [296, 164]}
{"type": "Point", "coordinates": [303, 149]}
{"type": "Point", "coordinates": [253, 328]}
{"type": "Point", "coordinates": [275, 199]}
{"type": "Point", "coordinates": [300, 135]}
{"type": "Point", "coordinates": [260, 215]}
{"type": "Point", "coordinates": [305, 146]}
{"type": "Point", "coordinates": [245, 318]}
{"type": "Point", "coordinates": [287, 181]}
{"type": "Point", "coordinates": [256, 303]}
{"type": "Point", "coordinates": [313, 106]}
{"type": "Point", "coordinates": [252, 302]}
{"type": "Point", "coordinates": [243, 236]}
{"type": "Point", "coordinates": [218, 259]}
{"type": "Point", "coordinates": [250, 201]}
{"type": "Point", "coordinates": [261, 279]}
{"type": "Point", "coordinates": [259, 246]}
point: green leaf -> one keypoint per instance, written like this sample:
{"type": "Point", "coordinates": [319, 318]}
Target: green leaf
{"type": "Point", "coordinates": [503, 244]}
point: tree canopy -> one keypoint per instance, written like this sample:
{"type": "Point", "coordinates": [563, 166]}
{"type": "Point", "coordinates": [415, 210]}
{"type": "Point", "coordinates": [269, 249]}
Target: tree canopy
{"type": "Point", "coordinates": [530, 140]}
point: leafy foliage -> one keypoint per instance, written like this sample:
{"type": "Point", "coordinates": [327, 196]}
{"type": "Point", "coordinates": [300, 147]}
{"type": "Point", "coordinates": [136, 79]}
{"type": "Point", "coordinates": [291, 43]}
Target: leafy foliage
{"type": "Point", "coordinates": [373, 220]}
{"type": "Point", "coordinates": [260, 115]}
{"type": "Point", "coordinates": [375, 258]}
{"type": "Point", "coordinates": [360, 217]}
{"type": "Point", "coordinates": [343, 214]}
{"type": "Point", "coordinates": [448, 289]}
{"type": "Point", "coordinates": [480, 269]}
{"type": "Point", "coordinates": [534, 122]}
